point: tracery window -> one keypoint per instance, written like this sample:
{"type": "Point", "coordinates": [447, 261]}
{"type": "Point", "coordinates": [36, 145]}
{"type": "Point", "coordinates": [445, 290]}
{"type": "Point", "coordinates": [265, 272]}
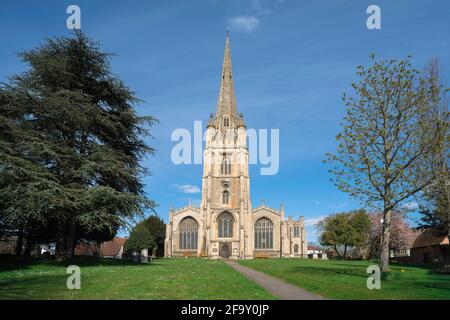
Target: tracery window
{"type": "Point", "coordinates": [225, 225]}
{"type": "Point", "coordinates": [263, 234]}
{"type": "Point", "coordinates": [188, 231]}
{"type": "Point", "coordinates": [225, 197]}
{"type": "Point", "coordinates": [226, 166]}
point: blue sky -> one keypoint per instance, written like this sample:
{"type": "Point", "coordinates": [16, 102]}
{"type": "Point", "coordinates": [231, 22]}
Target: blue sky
{"type": "Point", "coordinates": [292, 60]}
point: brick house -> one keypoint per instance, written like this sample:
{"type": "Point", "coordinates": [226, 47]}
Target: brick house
{"type": "Point", "coordinates": [107, 249]}
{"type": "Point", "coordinates": [432, 245]}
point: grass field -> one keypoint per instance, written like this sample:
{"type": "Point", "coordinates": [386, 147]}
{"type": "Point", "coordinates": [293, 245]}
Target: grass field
{"type": "Point", "coordinates": [347, 279]}
{"type": "Point", "coordinates": [116, 279]}
{"type": "Point", "coordinates": [209, 279]}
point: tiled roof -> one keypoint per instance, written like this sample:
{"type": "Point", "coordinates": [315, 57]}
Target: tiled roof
{"type": "Point", "coordinates": [86, 249]}
{"type": "Point", "coordinates": [431, 237]}
{"type": "Point", "coordinates": [108, 248]}
{"type": "Point", "coordinates": [112, 248]}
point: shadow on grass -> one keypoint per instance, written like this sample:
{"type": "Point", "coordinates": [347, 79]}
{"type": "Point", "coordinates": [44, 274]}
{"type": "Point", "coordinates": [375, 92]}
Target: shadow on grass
{"type": "Point", "coordinates": [363, 264]}
{"type": "Point", "coordinates": [31, 286]}
{"type": "Point", "coordinates": [10, 263]}
{"type": "Point", "coordinates": [323, 270]}
{"type": "Point", "coordinates": [31, 280]}
{"type": "Point", "coordinates": [360, 270]}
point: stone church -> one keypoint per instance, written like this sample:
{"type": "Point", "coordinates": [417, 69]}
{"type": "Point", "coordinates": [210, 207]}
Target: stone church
{"type": "Point", "coordinates": [226, 225]}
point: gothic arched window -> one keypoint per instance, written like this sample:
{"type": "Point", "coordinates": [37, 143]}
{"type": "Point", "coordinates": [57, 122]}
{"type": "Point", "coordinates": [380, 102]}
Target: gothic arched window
{"type": "Point", "coordinates": [263, 234]}
{"type": "Point", "coordinates": [226, 166]}
{"type": "Point", "coordinates": [225, 225]}
{"type": "Point", "coordinates": [295, 248]}
{"type": "Point", "coordinates": [188, 230]}
{"type": "Point", "coordinates": [225, 197]}
{"type": "Point", "coordinates": [226, 122]}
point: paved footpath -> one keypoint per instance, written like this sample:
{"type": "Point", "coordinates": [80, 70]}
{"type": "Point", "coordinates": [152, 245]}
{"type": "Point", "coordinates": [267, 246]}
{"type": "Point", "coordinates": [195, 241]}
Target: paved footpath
{"type": "Point", "coordinates": [275, 286]}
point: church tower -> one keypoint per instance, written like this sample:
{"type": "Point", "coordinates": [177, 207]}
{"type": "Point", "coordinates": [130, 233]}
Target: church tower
{"type": "Point", "coordinates": [225, 183]}
{"type": "Point", "coordinates": [225, 225]}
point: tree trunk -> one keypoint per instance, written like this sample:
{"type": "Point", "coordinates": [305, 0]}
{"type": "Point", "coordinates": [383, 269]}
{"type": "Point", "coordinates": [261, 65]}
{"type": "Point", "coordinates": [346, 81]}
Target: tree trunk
{"type": "Point", "coordinates": [337, 252]}
{"type": "Point", "coordinates": [345, 251]}
{"type": "Point", "coordinates": [70, 241]}
{"type": "Point", "coordinates": [447, 186]}
{"type": "Point", "coordinates": [28, 247]}
{"type": "Point", "coordinates": [61, 249]}
{"type": "Point", "coordinates": [384, 243]}
{"type": "Point", "coordinates": [370, 251]}
{"type": "Point", "coordinates": [19, 243]}
{"type": "Point", "coordinates": [373, 248]}
{"type": "Point", "coordinates": [30, 241]}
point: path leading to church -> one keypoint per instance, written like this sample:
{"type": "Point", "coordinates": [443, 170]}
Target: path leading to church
{"type": "Point", "coordinates": [275, 286]}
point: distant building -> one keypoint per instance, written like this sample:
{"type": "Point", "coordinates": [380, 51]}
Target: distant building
{"type": "Point", "coordinates": [316, 252]}
{"type": "Point", "coordinates": [432, 245]}
{"type": "Point", "coordinates": [48, 249]}
{"type": "Point", "coordinates": [87, 249]}
{"type": "Point", "coordinates": [400, 252]}
{"type": "Point", "coordinates": [8, 245]}
{"type": "Point", "coordinates": [331, 254]}
{"type": "Point", "coordinates": [107, 249]}
{"type": "Point", "coordinates": [113, 248]}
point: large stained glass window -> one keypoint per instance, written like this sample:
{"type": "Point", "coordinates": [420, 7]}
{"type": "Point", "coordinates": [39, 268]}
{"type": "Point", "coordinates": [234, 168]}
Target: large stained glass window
{"type": "Point", "coordinates": [263, 234]}
{"type": "Point", "coordinates": [225, 225]}
{"type": "Point", "coordinates": [296, 232]}
{"type": "Point", "coordinates": [188, 234]}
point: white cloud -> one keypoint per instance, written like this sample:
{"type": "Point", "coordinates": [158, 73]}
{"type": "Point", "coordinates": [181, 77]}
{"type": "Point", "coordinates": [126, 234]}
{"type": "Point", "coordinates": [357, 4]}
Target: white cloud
{"type": "Point", "coordinates": [313, 221]}
{"type": "Point", "coordinates": [187, 188]}
{"type": "Point", "coordinates": [244, 23]}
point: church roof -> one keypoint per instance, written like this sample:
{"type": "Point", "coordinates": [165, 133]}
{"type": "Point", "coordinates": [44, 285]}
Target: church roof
{"type": "Point", "coordinates": [190, 206]}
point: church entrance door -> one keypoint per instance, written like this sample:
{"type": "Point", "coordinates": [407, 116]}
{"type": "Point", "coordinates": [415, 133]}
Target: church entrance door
{"type": "Point", "coordinates": [225, 251]}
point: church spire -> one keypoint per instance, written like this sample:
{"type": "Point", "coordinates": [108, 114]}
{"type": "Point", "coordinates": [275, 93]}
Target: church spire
{"type": "Point", "coordinates": [226, 103]}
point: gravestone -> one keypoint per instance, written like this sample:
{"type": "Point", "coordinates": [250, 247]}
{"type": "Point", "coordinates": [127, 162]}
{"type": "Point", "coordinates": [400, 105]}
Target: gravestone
{"type": "Point", "coordinates": [144, 256]}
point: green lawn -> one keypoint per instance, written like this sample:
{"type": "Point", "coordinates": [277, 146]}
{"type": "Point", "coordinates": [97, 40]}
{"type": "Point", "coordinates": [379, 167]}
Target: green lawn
{"type": "Point", "coordinates": [209, 279]}
{"type": "Point", "coordinates": [115, 279]}
{"type": "Point", "coordinates": [347, 279]}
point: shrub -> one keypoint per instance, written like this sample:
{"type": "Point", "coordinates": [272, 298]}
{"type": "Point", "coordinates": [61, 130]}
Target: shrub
{"type": "Point", "coordinates": [140, 238]}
